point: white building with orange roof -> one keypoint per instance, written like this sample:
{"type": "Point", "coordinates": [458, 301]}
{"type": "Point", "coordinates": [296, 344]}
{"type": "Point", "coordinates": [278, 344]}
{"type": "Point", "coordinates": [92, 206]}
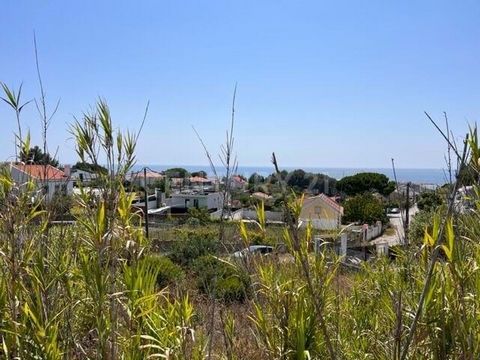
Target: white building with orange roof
{"type": "Point", "coordinates": [49, 180]}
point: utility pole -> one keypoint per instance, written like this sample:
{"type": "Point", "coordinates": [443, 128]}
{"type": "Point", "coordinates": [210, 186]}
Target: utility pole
{"type": "Point", "coordinates": [407, 213]}
{"type": "Point", "coordinates": [146, 200]}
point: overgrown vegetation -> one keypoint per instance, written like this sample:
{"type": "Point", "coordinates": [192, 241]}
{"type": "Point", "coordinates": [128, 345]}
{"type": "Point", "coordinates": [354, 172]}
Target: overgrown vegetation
{"type": "Point", "coordinates": [95, 289]}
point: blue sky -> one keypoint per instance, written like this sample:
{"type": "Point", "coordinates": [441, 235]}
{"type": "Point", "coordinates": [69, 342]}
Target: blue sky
{"type": "Point", "coordinates": [323, 84]}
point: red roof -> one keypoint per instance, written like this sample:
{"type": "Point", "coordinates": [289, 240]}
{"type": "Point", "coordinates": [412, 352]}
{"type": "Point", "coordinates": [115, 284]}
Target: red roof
{"type": "Point", "coordinates": [199, 179]}
{"type": "Point", "coordinates": [42, 172]}
{"type": "Point", "coordinates": [150, 174]}
{"type": "Point", "coordinates": [332, 202]}
{"type": "Point", "coordinates": [329, 201]}
{"type": "Point", "coordinates": [238, 179]}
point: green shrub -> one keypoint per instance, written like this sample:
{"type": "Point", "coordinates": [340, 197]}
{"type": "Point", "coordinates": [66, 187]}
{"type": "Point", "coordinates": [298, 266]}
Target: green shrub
{"type": "Point", "coordinates": [192, 221]}
{"type": "Point", "coordinates": [168, 272]}
{"type": "Point", "coordinates": [202, 216]}
{"type": "Point", "coordinates": [231, 289]}
{"type": "Point", "coordinates": [221, 279]}
{"type": "Point", "coordinates": [186, 251]}
{"type": "Point", "coordinates": [259, 238]}
{"type": "Point", "coordinates": [364, 208]}
{"type": "Point", "coordinates": [429, 201]}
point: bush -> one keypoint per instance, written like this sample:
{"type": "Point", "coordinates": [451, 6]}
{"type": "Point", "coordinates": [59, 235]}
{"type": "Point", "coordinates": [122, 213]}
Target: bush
{"type": "Point", "coordinates": [231, 289]}
{"type": "Point", "coordinates": [168, 272]}
{"type": "Point", "coordinates": [222, 280]}
{"type": "Point", "coordinates": [187, 250]}
{"type": "Point", "coordinates": [199, 216]}
{"type": "Point", "coordinates": [423, 220]}
{"type": "Point", "coordinates": [192, 221]}
{"type": "Point", "coordinates": [429, 201]}
{"type": "Point", "coordinates": [364, 208]}
{"type": "Point", "coordinates": [259, 238]}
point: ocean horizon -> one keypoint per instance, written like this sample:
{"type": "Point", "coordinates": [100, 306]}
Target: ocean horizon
{"type": "Point", "coordinates": [415, 175]}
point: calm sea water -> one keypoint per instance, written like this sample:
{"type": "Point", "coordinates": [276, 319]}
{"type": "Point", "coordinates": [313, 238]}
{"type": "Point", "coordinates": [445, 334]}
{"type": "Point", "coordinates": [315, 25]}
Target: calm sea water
{"type": "Point", "coordinates": [418, 176]}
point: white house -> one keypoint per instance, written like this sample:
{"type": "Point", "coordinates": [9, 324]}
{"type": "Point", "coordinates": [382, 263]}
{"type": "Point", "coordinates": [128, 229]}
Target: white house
{"type": "Point", "coordinates": [209, 201]}
{"type": "Point", "coordinates": [323, 212]}
{"type": "Point", "coordinates": [82, 176]}
{"type": "Point", "coordinates": [47, 178]}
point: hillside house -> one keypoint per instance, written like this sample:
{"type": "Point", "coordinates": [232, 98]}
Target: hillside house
{"type": "Point", "coordinates": [201, 184]}
{"type": "Point", "coordinates": [49, 180]}
{"type": "Point", "coordinates": [237, 183]}
{"type": "Point", "coordinates": [323, 212]}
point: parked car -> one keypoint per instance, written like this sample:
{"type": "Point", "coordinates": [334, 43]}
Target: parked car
{"type": "Point", "coordinates": [394, 211]}
{"type": "Point", "coordinates": [254, 250]}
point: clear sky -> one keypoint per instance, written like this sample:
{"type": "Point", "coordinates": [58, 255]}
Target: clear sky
{"type": "Point", "coordinates": [321, 83]}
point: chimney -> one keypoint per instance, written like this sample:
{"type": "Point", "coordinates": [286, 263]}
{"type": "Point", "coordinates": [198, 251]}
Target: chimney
{"type": "Point", "coordinates": [67, 170]}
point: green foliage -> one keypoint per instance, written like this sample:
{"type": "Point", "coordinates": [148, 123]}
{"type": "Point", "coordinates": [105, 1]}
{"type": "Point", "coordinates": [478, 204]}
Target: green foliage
{"type": "Point", "coordinates": [255, 179]}
{"type": "Point", "coordinates": [364, 208]}
{"type": "Point", "coordinates": [243, 197]}
{"type": "Point", "coordinates": [421, 222]}
{"type": "Point", "coordinates": [36, 156]}
{"type": "Point", "coordinates": [223, 280]}
{"type": "Point", "coordinates": [200, 173]}
{"type": "Point", "coordinates": [429, 201]}
{"type": "Point", "coordinates": [299, 180]}
{"type": "Point", "coordinates": [167, 272]}
{"type": "Point", "coordinates": [158, 184]}
{"type": "Point", "coordinates": [91, 290]}
{"type": "Point", "coordinates": [193, 245]}
{"type": "Point", "coordinates": [60, 205]}
{"type": "Point", "coordinates": [201, 215]}
{"type": "Point", "coordinates": [366, 182]}
{"type": "Point", "coordinates": [91, 168]}
{"type": "Point", "coordinates": [176, 173]}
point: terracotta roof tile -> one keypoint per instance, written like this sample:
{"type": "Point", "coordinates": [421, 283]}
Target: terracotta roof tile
{"type": "Point", "coordinates": [42, 172]}
{"type": "Point", "coordinates": [199, 179]}
{"type": "Point", "coordinates": [329, 201]}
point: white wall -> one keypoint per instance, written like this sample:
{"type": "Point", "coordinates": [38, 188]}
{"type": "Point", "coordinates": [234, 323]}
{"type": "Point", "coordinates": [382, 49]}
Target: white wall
{"type": "Point", "coordinates": [211, 200]}
{"type": "Point", "coordinates": [322, 224]}
{"type": "Point", "coordinates": [84, 175]}
{"type": "Point", "coordinates": [52, 185]}
{"type": "Point", "coordinates": [215, 200]}
{"type": "Point", "coordinates": [269, 215]}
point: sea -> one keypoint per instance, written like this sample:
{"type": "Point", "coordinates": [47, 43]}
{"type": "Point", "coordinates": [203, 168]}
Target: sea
{"type": "Point", "coordinates": [417, 176]}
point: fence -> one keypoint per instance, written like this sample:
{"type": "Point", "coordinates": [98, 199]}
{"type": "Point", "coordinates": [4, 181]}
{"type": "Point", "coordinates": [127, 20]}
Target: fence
{"type": "Point", "coordinates": [245, 214]}
{"type": "Point", "coordinates": [365, 232]}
